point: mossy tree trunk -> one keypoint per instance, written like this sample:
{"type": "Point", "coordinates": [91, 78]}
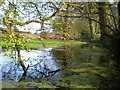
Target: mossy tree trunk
{"type": "Point", "coordinates": [102, 8]}
{"type": "Point", "coordinates": [66, 27]}
{"type": "Point", "coordinates": [90, 21]}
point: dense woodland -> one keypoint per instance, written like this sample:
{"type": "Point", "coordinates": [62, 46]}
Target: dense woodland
{"type": "Point", "coordinates": [76, 21]}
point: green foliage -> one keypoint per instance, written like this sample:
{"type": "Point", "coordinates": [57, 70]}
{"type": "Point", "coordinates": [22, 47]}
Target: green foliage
{"type": "Point", "coordinates": [57, 27]}
{"type": "Point", "coordinates": [115, 3]}
{"type": "Point", "coordinates": [9, 43]}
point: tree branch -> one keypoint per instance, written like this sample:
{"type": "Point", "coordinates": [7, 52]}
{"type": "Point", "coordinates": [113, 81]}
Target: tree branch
{"type": "Point", "coordinates": [28, 22]}
{"type": "Point", "coordinates": [58, 10]}
{"type": "Point", "coordinates": [90, 19]}
{"type": "Point", "coordinates": [5, 29]}
{"type": "Point", "coordinates": [74, 5]}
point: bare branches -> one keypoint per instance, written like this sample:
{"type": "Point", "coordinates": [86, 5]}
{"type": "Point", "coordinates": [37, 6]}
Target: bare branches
{"type": "Point", "coordinates": [74, 5]}
{"type": "Point", "coordinates": [7, 20]}
{"type": "Point", "coordinates": [9, 11]}
{"type": "Point", "coordinates": [28, 22]}
{"type": "Point", "coordinates": [54, 14]}
{"type": "Point", "coordinates": [5, 29]}
{"type": "Point", "coordinates": [89, 19]}
{"type": "Point", "coordinates": [1, 2]}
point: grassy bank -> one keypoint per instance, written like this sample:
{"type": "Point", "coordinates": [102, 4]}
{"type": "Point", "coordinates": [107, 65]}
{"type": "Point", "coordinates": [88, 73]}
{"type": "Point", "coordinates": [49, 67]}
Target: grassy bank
{"type": "Point", "coordinates": [37, 44]}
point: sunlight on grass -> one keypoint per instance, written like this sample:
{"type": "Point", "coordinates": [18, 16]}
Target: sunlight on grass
{"type": "Point", "coordinates": [37, 44]}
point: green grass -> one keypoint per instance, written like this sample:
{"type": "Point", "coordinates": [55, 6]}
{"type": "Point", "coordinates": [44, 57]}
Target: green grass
{"type": "Point", "coordinates": [37, 44]}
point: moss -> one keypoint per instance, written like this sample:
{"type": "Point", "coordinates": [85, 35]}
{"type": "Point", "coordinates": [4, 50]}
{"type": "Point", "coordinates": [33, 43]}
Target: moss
{"type": "Point", "coordinates": [25, 85]}
{"type": "Point", "coordinates": [9, 84]}
{"type": "Point", "coordinates": [79, 70]}
{"type": "Point", "coordinates": [82, 80]}
{"type": "Point", "coordinates": [103, 75]}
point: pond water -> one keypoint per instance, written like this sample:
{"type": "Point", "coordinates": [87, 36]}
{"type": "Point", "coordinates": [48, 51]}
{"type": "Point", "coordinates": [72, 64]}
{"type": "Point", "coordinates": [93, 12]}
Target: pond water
{"type": "Point", "coordinates": [65, 66]}
{"type": "Point", "coordinates": [38, 61]}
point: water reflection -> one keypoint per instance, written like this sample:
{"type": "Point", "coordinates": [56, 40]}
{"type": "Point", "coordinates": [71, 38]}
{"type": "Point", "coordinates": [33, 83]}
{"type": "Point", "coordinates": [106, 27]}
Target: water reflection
{"type": "Point", "coordinates": [82, 65]}
{"type": "Point", "coordinates": [40, 64]}
{"type": "Point", "coordinates": [73, 56]}
{"type": "Point", "coordinates": [87, 65]}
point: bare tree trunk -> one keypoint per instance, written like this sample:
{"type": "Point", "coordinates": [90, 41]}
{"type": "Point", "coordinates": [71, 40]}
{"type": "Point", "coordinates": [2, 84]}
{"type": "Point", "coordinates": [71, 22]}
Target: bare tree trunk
{"type": "Point", "coordinates": [119, 15]}
{"type": "Point", "coordinates": [66, 28]}
{"type": "Point", "coordinates": [103, 20]}
{"type": "Point", "coordinates": [115, 43]}
{"type": "Point", "coordinates": [91, 30]}
{"type": "Point", "coordinates": [90, 21]}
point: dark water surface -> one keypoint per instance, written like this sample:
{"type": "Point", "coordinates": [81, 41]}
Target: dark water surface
{"type": "Point", "coordinates": [82, 66]}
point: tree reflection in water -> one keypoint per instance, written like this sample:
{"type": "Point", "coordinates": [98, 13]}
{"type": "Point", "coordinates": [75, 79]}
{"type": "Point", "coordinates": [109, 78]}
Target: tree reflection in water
{"type": "Point", "coordinates": [66, 65]}
{"type": "Point", "coordinates": [41, 65]}
{"type": "Point", "coordinates": [87, 65]}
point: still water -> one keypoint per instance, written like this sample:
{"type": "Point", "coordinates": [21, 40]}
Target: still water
{"type": "Point", "coordinates": [65, 66]}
